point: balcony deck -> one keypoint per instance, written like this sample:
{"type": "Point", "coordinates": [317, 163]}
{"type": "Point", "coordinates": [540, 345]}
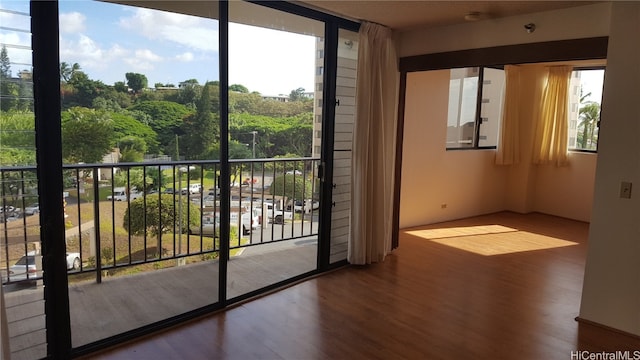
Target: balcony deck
{"type": "Point", "coordinates": [124, 303]}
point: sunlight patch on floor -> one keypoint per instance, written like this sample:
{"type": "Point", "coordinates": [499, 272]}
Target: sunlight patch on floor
{"type": "Point", "coordinates": [491, 239]}
{"type": "Point", "coordinates": [460, 231]}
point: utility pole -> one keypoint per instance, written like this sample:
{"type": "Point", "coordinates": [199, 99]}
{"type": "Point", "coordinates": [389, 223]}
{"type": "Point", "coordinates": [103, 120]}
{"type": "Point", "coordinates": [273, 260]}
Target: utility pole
{"type": "Point", "coordinates": [253, 143]}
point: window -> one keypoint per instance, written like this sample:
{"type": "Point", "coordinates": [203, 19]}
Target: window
{"type": "Point", "coordinates": [584, 118]}
{"type": "Point", "coordinates": [474, 114]}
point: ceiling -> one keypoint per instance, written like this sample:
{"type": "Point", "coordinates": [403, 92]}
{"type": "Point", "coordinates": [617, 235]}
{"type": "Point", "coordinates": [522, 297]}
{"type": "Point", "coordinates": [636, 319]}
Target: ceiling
{"type": "Point", "coordinates": [404, 15]}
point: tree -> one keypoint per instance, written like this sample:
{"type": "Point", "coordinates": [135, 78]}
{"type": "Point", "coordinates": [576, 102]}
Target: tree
{"type": "Point", "coordinates": [137, 82]}
{"type": "Point", "coordinates": [86, 135]}
{"type": "Point", "coordinates": [165, 118]}
{"type": "Point", "coordinates": [589, 114]}
{"type": "Point", "coordinates": [5, 64]}
{"type": "Point", "coordinates": [135, 178]}
{"type": "Point", "coordinates": [189, 93]}
{"type": "Point", "coordinates": [297, 94]}
{"type": "Point", "coordinates": [132, 149]}
{"type": "Point", "coordinates": [17, 138]}
{"type": "Point", "coordinates": [124, 125]}
{"type": "Point", "coordinates": [201, 130]}
{"type": "Point", "coordinates": [276, 135]}
{"type": "Point", "coordinates": [9, 90]}
{"type": "Point", "coordinates": [121, 87]}
{"type": "Point", "coordinates": [66, 71]}
{"type": "Point", "coordinates": [239, 88]}
{"type": "Point", "coordinates": [81, 91]}
{"type": "Point", "coordinates": [292, 187]}
{"type": "Point", "coordinates": [159, 215]}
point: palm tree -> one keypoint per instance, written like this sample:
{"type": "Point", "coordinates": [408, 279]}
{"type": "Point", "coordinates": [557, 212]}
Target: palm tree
{"type": "Point", "coordinates": [589, 114]}
{"type": "Point", "coordinates": [66, 71]}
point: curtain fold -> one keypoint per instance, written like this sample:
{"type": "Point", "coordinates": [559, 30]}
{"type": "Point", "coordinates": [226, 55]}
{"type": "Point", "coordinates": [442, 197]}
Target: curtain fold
{"type": "Point", "coordinates": [5, 354]}
{"type": "Point", "coordinates": [374, 139]}
{"type": "Point", "coordinates": [508, 152]}
{"type": "Point", "coordinates": [550, 141]}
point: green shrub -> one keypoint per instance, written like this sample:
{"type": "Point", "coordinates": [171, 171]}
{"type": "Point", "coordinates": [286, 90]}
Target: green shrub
{"type": "Point", "coordinates": [160, 215]}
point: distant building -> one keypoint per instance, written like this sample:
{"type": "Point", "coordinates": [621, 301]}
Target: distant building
{"type": "Point", "coordinates": [281, 98]}
{"type": "Point", "coordinates": [25, 75]}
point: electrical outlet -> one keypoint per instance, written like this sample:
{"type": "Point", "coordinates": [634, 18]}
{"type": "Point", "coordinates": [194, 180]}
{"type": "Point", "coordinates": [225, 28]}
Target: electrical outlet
{"type": "Point", "coordinates": [625, 190]}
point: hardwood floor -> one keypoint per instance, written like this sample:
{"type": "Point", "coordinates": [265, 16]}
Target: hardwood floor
{"type": "Point", "coordinates": [439, 296]}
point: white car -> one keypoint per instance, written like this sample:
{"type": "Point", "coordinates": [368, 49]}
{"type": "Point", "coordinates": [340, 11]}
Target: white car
{"type": "Point", "coordinates": [32, 210]}
{"type": "Point", "coordinates": [211, 222]}
{"type": "Point", "coordinates": [273, 214]}
{"type": "Point", "coordinates": [191, 189]}
{"type": "Point", "coordinates": [26, 268]}
{"type": "Point", "coordinates": [120, 194]}
{"type": "Point", "coordinates": [305, 206]}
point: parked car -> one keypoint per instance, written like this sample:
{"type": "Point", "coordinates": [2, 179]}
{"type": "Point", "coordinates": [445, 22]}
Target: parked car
{"type": "Point", "coordinates": [7, 208]}
{"type": "Point", "coordinates": [211, 222]}
{"type": "Point", "coordinates": [32, 209]}
{"type": "Point", "coordinates": [191, 189]}
{"type": "Point", "coordinates": [294, 172]}
{"type": "Point", "coordinates": [120, 194]}
{"type": "Point", "coordinates": [305, 206]}
{"type": "Point", "coordinates": [273, 215]}
{"type": "Point", "coordinates": [26, 267]}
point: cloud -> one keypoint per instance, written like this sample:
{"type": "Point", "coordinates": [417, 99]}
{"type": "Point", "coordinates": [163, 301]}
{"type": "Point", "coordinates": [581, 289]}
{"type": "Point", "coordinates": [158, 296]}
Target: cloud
{"type": "Point", "coordinates": [143, 59]}
{"type": "Point", "coordinates": [190, 31]}
{"type": "Point", "coordinates": [88, 53]}
{"type": "Point", "coordinates": [72, 22]}
{"type": "Point", "coordinates": [185, 57]}
{"type": "Point", "coordinates": [139, 64]}
{"type": "Point", "coordinates": [148, 55]}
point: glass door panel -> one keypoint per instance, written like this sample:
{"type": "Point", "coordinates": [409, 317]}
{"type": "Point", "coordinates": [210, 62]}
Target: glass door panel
{"type": "Point", "coordinates": [139, 98]}
{"type": "Point", "coordinates": [275, 92]}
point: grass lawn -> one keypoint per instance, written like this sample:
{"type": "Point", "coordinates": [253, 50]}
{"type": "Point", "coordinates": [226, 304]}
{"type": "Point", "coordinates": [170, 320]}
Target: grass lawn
{"type": "Point", "coordinates": [116, 244]}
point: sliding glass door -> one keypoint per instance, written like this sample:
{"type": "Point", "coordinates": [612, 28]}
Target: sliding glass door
{"type": "Point", "coordinates": [273, 100]}
{"type": "Point", "coordinates": [140, 86]}
{"type": "Point", "coordinates": [198, 145]}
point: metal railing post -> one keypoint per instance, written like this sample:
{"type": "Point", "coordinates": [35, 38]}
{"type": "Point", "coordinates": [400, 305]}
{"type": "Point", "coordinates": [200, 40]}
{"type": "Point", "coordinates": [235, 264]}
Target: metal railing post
{"type": "Point", "coordinates": [96, 225]}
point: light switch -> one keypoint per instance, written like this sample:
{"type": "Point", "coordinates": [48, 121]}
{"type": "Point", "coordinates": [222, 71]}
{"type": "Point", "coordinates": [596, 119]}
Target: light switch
{"type": "Point", "coordinates": [625, 190]}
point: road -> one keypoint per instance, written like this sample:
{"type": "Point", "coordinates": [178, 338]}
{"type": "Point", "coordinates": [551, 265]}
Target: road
{"type": "Point", "coordinates": [289, 229]}
{"type": "Point", "coordinates": [305, 233]}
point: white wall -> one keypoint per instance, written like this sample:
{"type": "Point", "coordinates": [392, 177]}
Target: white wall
{"type": "Point", "coordinates": [573, 23]}
{"type": "Point", "coordinates": [466, 181]}
{"type": "Point", "coordinates": [567, 191]}
{"type": "Point", "coordinates": [561, 191]}
{"type": "Point", "coordinates": [611, 290]}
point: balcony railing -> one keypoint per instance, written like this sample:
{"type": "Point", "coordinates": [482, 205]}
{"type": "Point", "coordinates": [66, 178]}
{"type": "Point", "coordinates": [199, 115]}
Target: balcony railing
{"type": "Point", "coordinates": [132, 217]}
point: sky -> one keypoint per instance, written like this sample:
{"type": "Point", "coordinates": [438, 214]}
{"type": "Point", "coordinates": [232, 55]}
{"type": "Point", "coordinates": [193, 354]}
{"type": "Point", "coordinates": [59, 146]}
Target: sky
{"type": "Point", "coordinates": [591, 82]}
{"type": "Point", "coordinates": [109, 40]}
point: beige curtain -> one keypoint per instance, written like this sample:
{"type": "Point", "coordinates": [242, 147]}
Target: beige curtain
{"type": "Point", "coordinates": [550, 141]}
{"type": "Point", "coordinates": [5, 354]}
{"type": "Point", "coordinates": [509, 145]}
{"type": "Point", "coordinates": [374, 139]}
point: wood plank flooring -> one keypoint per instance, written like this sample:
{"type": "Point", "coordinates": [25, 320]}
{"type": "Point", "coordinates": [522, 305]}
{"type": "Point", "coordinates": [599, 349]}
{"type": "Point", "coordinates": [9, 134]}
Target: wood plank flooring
{"type": "Point", "coordinates": [436, 297]}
